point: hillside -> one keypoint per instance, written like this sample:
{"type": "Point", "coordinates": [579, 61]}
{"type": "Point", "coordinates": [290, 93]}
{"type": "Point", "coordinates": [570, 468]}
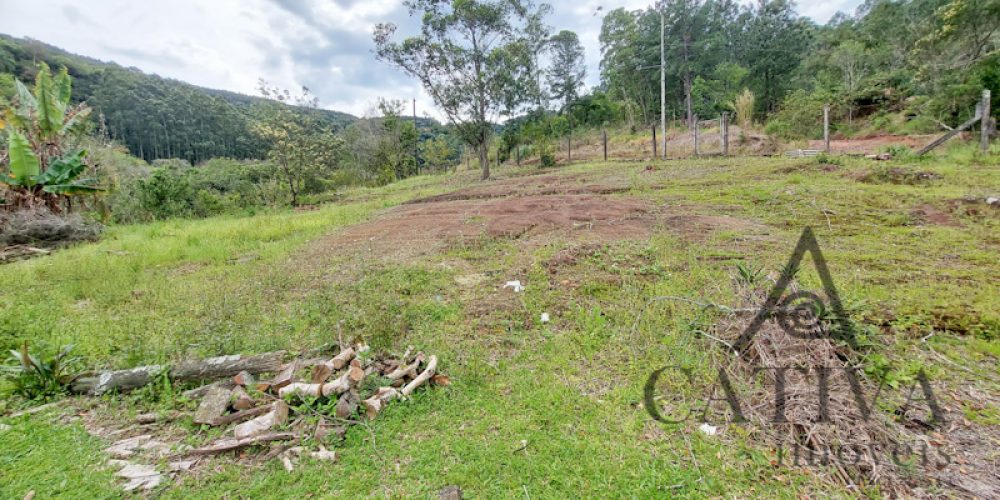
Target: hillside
{"type": "Point", "coordinates": [535, 406]}
{"type": "Point", "coordinates": [154, 117]}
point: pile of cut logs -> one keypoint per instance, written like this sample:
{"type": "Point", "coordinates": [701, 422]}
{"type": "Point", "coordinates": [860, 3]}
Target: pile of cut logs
{"type": "Point", "coordinates": [258, 407]}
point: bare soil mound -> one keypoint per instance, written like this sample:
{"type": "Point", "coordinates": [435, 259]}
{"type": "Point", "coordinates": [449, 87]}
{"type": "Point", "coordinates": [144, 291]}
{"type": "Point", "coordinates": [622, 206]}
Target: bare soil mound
{"type": "Point", "coordinates": [429, 222]}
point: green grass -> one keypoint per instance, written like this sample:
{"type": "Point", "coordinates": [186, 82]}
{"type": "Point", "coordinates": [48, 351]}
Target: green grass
{"type": "Point", "coordinates": [571, 388]}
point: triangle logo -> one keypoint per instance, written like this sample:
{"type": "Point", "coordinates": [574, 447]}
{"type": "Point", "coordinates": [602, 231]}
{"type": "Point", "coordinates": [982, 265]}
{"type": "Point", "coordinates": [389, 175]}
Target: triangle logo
{"type": "Point", "coordinates": [799, 313]}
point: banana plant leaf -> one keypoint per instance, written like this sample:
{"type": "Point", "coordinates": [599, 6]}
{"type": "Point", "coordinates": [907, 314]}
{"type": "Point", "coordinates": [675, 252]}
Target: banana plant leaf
{"type": "Point", "coordinates": [24, 165]}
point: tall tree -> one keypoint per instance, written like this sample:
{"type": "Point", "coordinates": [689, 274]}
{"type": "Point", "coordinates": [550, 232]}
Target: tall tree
{"type": "Point", "coordinates": [473, 58]}
{"type": "Point", "coordinates": [304, 150]}
{"type": "Point", "coordinates": [567, 70]}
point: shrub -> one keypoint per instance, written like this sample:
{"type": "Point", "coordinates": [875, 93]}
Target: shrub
{"type": "Point", "coordinates": [39, 378]}
{"type": "Point", "coordinates": [800, 116]}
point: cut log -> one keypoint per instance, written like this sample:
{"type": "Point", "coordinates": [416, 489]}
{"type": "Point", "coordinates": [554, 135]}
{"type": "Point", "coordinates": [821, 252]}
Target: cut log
{"type": "Point", "coordinates": [345, 382]}
{"type": "Point", "coordinates": [212, 405]}
{"type": "Point", "coordinates": [277, 416]}
{"type": "Point", "coordinates": [244, 378]}
{"type": "Point", "coordinates": [375, 404]}
{"type": "Point", "coordinates": [340, 360]}
{"type": "Point", "coordinates": [240, 399]}
{"type": "Point", "coordinates": [227, 366]}
{"type": "Point", "coordinates": [200, 392]}
{"type": "Point", "coordinates": [301, 390]}
{"type": "Point", "coordinates": [225, 445]}
{"type": "Point", "coordinates": [423, 377]}
{"type": "Point", "coordinates": [408, 370]}
{"type": "Point", "coordinates": [285, 376]}
{"type": "Point", "coordinates": [321, 372]}
{"type": "Point", "coordinates": [347, 404]}
{"type": "Point", "coordinates": [223, 366]}
{"type": "Point", "coordinates": [121, 380]}
{"type": "Point", "coordinates": [240, 416]}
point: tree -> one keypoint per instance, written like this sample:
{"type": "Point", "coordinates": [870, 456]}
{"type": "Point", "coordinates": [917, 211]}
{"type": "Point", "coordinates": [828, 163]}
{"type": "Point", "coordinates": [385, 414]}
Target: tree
{"type": "Point", "coordinates": [473, 58]}
{"type": "Point", "coordinates": [42, 125]}
{"type": "Point", "coordinates": [773, 41]}
{"type": "Point", "coordinates": [852, 60]}
{"type": "Point", "coordinates": [620, 62]}
{"type": "Point", "coordinates": [305, 151]}
{"type": "Point", "coordinates": [567, 71]}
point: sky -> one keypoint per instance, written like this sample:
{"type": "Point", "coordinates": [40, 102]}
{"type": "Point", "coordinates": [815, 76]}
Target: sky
{"type": "Point", "coordinates": [325, 45]}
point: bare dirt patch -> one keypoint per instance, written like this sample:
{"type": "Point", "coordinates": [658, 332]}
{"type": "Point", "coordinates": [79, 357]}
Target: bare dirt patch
{"type": "Point", "coordinates": [928, 214]}
{"type": "Point", "coordinates": [430, 224]}
{"type": "Point", "coordinates": [535, 185]}
{"type": "Point", "coordinates": [874, 144]}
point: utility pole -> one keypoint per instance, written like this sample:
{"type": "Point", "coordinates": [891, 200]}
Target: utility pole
{"type": "Point", "coordinates": [416, 156]}
{"type": "Point", "coordinates": [663, 84]}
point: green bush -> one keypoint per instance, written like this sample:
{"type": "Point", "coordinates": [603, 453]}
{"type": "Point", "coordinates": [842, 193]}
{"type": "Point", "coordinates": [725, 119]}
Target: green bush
{"type": "Point", "coordinates": [800, 116]}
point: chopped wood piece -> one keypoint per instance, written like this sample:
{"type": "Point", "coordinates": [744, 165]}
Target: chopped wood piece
{"type": "Point", "coordinates": [301, 389]}
{"type": "Point", "coordinates": [321, 372]}
{"type": "Point", "coordinates": [240, 399]}
{"type": "Point", "coordinates": [285, 377]}
{"type": "Point", "coordinates": [277, 416]}
{"type": "Point", "coordinates": [146, 418]}
{"type": "Point", "coordinates": [341, 360]}
{"type": "Point", "coordinates": [347, 404]}
{"type": "Point", "coordinates": [423, 377]}
{"type": "Point", "coordinates": [442, 380]}
{"type": "Point", "coordinates": [212, 405]}
{"type": "Point", "coordinates": [345, 382]}
{"type": "Point", "coordinates": [287, 462]}
{"type": "Point", "coordinates": [224, 445]}
{"type": "Point", "coordinates": [324, 454]}
{"type": "Point", "coordinates": [200, 392]}
{"type": "Point", "coordinates": [408, 370]}
{"type": "Point", "coordinates": [240, 416]}
{"type": "Point", "coordinates": [244, 378]}
{"type": "Point", "coordinates": [375, 404]}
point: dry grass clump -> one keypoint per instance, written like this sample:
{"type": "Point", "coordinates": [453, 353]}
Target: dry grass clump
{"type": "Point", "coordinates": [41, 227]}
{"type": "Point", "coordinates": [857, 444]}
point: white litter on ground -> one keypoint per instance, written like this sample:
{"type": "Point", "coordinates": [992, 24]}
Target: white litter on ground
{"type": "Point", "coordinates": [708, 429]}
{"type": "Point", "coordinates": [514, 285]}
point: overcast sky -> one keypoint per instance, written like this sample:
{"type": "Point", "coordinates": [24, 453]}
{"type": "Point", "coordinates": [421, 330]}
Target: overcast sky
{"type": "Point", "coordinates": [325, 45]}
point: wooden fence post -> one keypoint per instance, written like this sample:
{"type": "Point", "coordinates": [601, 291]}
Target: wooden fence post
{"type": "Point", "coordinates": [604, 140]}
{"type": "Point", "coordinates": [654, 141]}
{"type": "Point", "coordinates": [569, 147]}
{"type": "Point", "coordinates": [725, 133]}
{"type": "Point", "coordinates": [696, 149]}
{"type": "Point", "coordinates": [518, 148]}
{"type": "Point", "coordinates": [826, 126]}
{"type": "Point", "coordinates": [984, 133]}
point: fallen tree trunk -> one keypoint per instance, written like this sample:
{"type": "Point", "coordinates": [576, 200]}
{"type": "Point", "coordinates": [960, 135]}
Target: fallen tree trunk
{"type": "Point", "coordinates": [218, 367]}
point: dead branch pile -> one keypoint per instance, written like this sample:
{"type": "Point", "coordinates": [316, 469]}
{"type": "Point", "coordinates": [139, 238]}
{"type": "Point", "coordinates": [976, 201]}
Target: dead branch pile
{"type": "Point", "coordinates": [265, 399]}
{"type": "Point", "coordinates": [805, 433]}
{"type": "Point", "coordinates": [40, 227]}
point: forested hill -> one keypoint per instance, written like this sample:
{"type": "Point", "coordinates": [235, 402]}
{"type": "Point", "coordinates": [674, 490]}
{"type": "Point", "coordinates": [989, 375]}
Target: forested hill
{"type": "Point", "coordinates": [154, 117]}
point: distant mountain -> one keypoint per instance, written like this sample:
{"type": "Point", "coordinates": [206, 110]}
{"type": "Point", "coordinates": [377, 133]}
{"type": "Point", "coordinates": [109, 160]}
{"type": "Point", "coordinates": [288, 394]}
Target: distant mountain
{"type": "Point", "coordinates": [154, 117]}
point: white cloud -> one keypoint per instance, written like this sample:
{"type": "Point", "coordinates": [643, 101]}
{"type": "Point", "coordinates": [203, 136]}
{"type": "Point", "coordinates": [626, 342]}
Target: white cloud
{"type": "Point", "coordinates": [228, 44]}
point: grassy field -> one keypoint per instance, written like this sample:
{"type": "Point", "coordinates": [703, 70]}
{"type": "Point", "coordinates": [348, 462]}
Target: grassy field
{"type": "Point", "coordinates": [536, 410]}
